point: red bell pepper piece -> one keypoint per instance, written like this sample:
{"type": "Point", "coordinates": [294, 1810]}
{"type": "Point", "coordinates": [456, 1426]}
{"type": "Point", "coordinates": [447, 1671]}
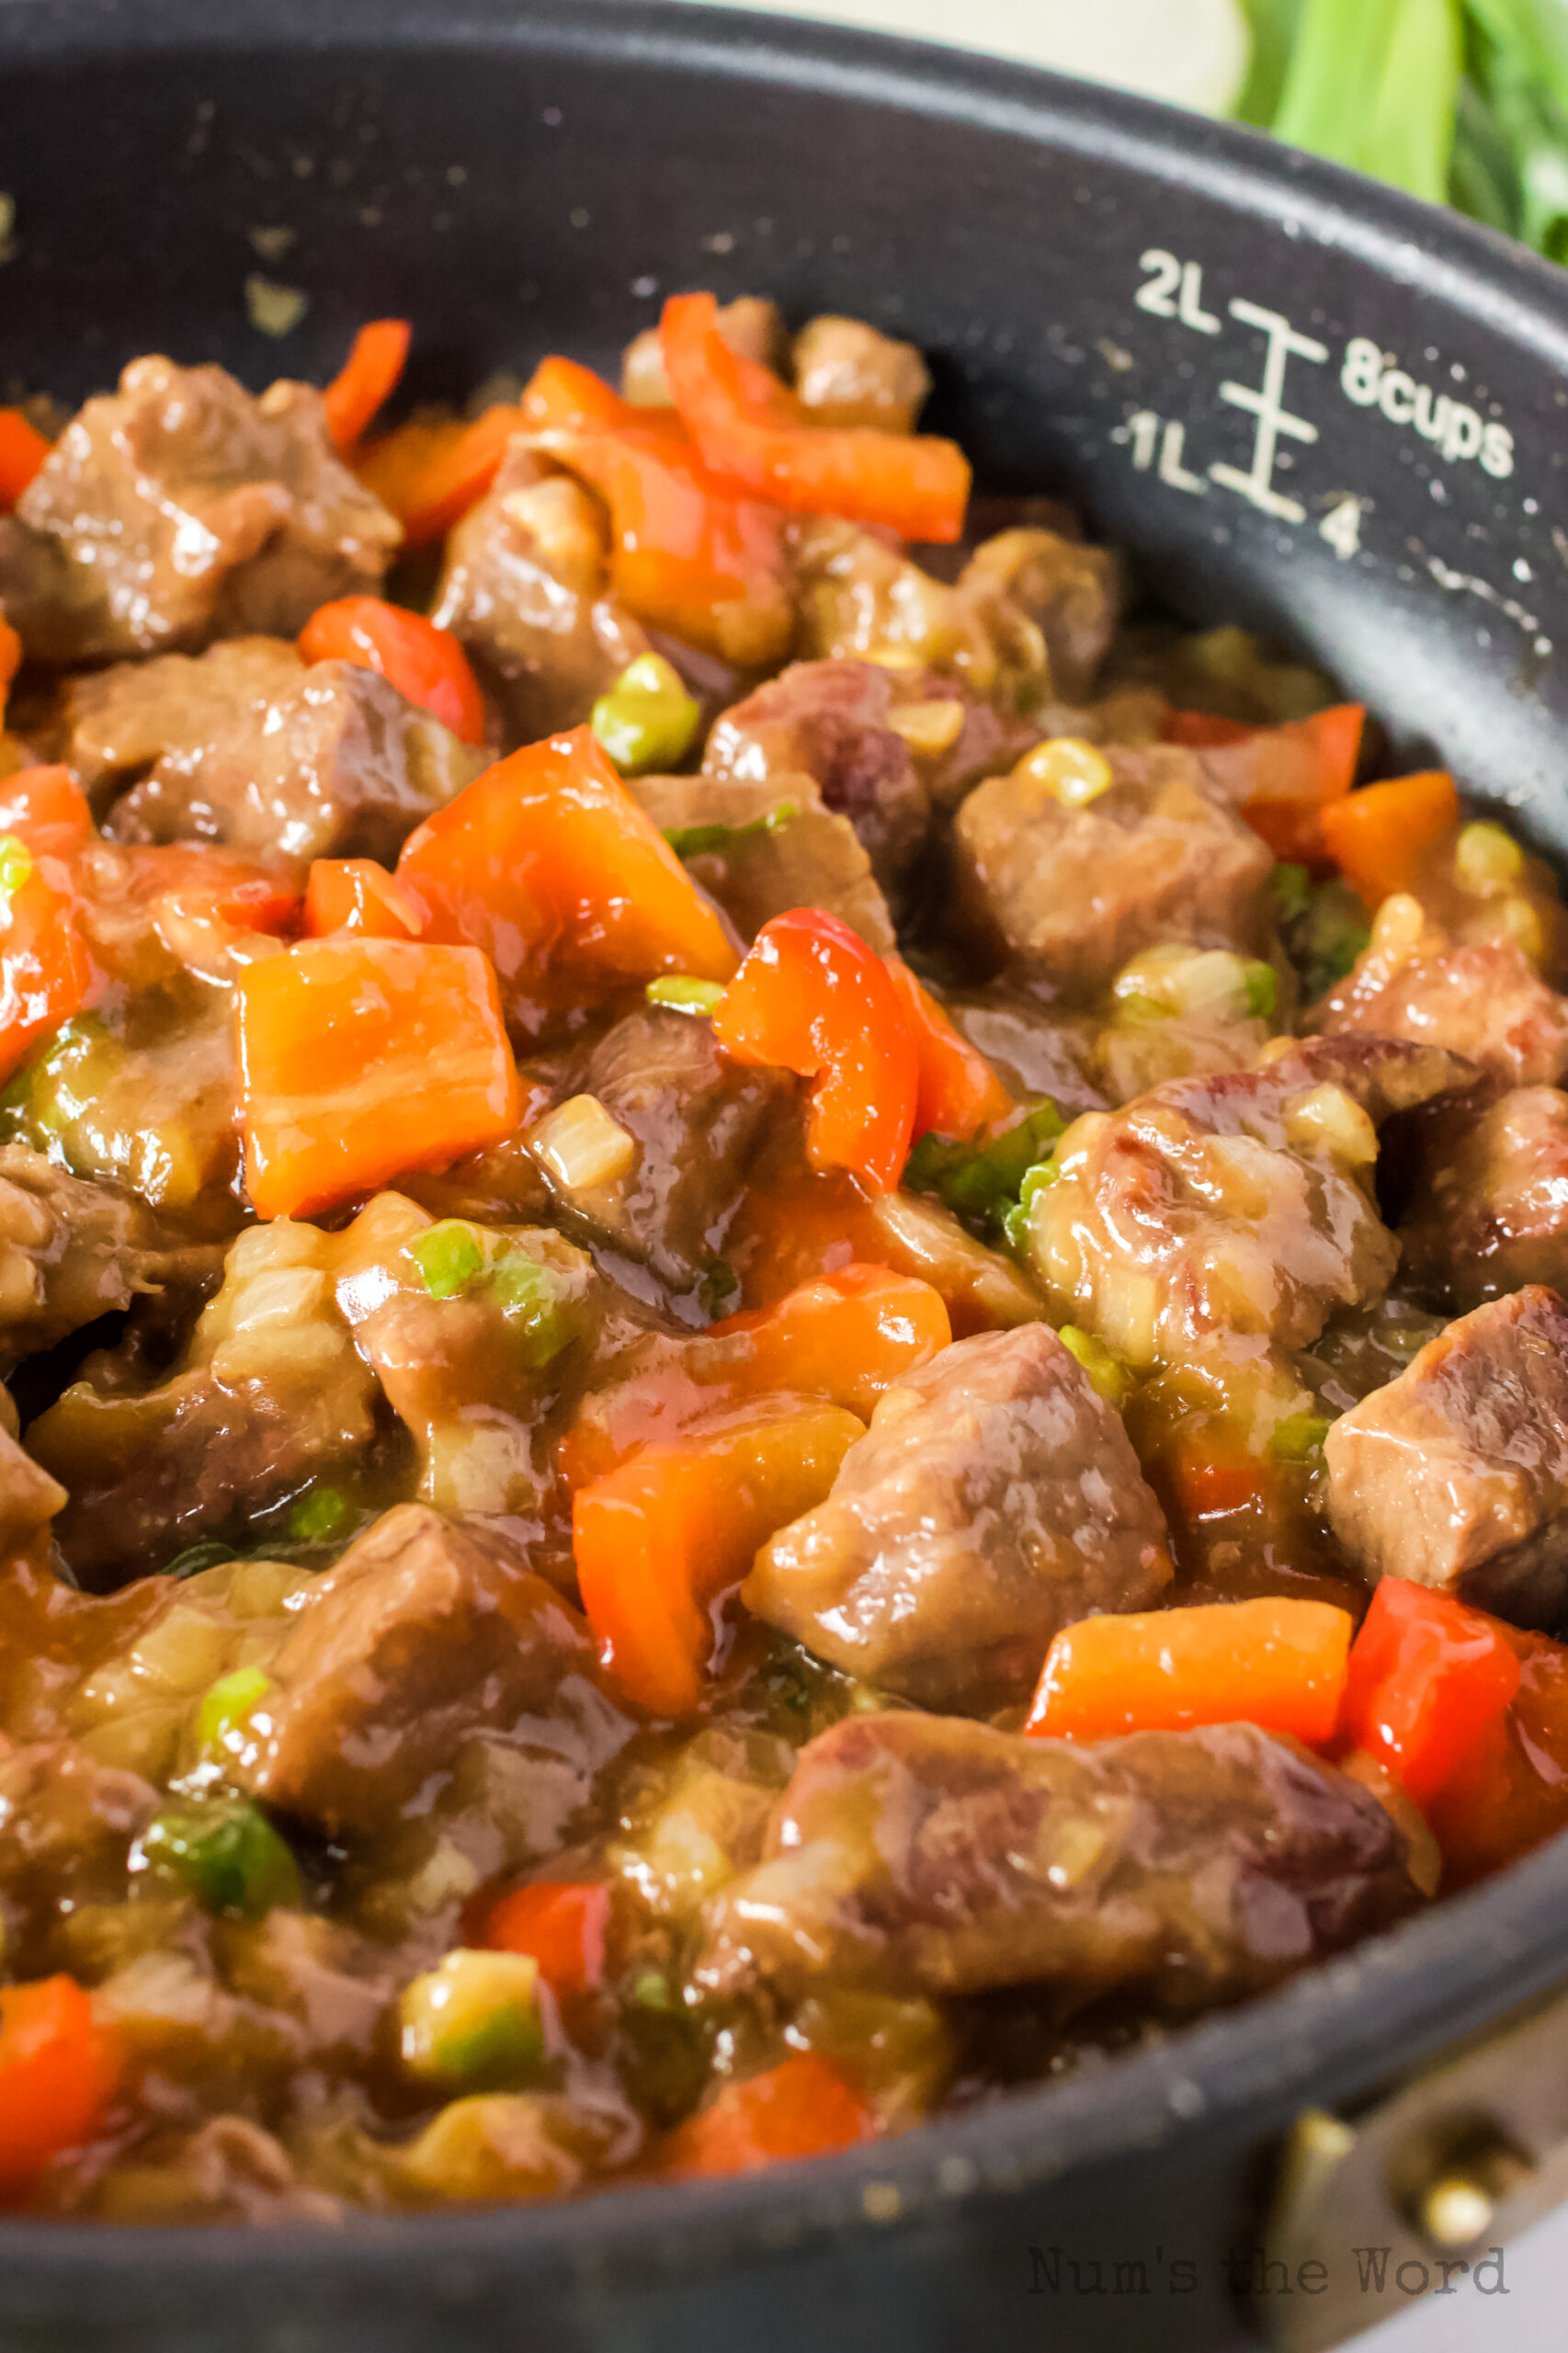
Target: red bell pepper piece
{"type": "Point", "coordinates": [562, 392]}
{"type": "Point", "coordinates": [546, 856]}
{"type": "Point", "coordinates": [802, 2108]}
{"type": "Point", "coordinates": [10, 661]}
{"type": "Point", "coordinates": [561, 1924]}
{"type": "Point", "coordinates": [45, 971]}
{"type": "Point", "coordinates": [23, 449]}
{"type": "Point", "coordinates": [1428, 1679]}
{"type": "Point", "coordinates": [429, 474]}
{"type": "Point", "coordinates": [368, 379]}
{"type": "Point", "coordinates": [355, 895]}
{"type": "Point", "coordinates": [426, 665]}
{"type": "Point", "coordinates": [812, 997]}
{"type": "Point", "coordinates": [361, 1058]}
{"type": "Point", "coordinates": [1281, 777]}
{"type": "Point", "coordinates": [1376, 836]}
{"type": "Point", "coordinates": [958, 1091]}
{"type": "Point", "coordinates": [57, 2076]}
{"type": "Point", "coordinates": [755, 434]}
{"type": "Point", "coordinates": [47, 809]}
{"type": "Point", "coordinates": [1512, 1793]}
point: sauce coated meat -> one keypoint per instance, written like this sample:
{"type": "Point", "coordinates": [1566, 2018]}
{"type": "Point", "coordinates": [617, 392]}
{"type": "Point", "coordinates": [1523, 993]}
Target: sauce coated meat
{"type": "Point", "coordinates": [776, 1318]}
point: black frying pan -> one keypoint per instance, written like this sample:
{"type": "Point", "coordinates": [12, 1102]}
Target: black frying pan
{"type": "Point", "coordinates": [1307, 403]}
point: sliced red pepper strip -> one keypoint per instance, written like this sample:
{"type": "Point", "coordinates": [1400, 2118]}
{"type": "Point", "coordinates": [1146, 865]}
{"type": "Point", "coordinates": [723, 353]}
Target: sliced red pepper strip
{"type": "Point", "coordinates": [45, 971]}
{"type": "Point", "coordinates": [561, 1924]}
{"type": "Point", "coordinates": [57, 2074]}
{"type": "Point", "coordinates": [562, 392]}
{"type": "Point", "coordinates": [355, 895]}
{"type": "Point", "coordinates": [812, 997]}
{"type": "Point", "coordinates": [426, 665]}
{"type": "Point", "coordinates": [1428, 1680]}
{"type": "Point", "coordinates": [430, 474]}
{"type": "Point", "coordinates": [1283, 779]}
{"type": "Point", "coordinates": [368, 379]}
{"type": "Point", "coordinates": [47, 809]}
{"type": "Point", "coordinates": [23, 449]}
{"type": "Point", "coordinates": [802, 2108]}
{"type": "Point", "coordinates": [960, 1092]}
{"type": "Point", "coordinates": [754, 435]}
{"type": "Point", "coordinates": [1276, 1662]}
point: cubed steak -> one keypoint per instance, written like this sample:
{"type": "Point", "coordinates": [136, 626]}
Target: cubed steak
{"type": "Point", "coordinates": [1492, 1214]}
{"type": "Point", "coordinates": [1485, 999]}
{"type": "Point", "coordinates": [1455, 1474]}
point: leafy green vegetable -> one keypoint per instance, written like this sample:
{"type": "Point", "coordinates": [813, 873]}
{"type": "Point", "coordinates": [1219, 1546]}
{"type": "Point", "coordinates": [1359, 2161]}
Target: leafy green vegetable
{"type": "Point", "coordinates": [1374, 83]}
{"type": "Point", "coordinates": [701, 841]}
{"type": "Point", "coordinates": [226, 1854]}
{"type": "Point", "coordinates": [980, 1182]}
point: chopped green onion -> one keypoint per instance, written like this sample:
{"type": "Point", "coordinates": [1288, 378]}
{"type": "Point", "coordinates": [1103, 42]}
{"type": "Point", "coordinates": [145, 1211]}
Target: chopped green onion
{"type": "Point", "coordinates": [320, 1516]}
{"type": "Point", "coordinates": [474, 2022]}
{"type": "Point", "coordinates": [980, 1182]}
{"type": "Point", "coordinates": [647, 721]}
{"type": "Point", "coordinates": [226, 1704]}
{"type": "Point", "coordinates": [651, 1991]}
{"type": "Point", "coordinates": [1292, 890]}
{"type": "Point", "coordinates": [1299, 1437]}
{"type": "Point", "coordinates": [706, 841]}
{"type": "Point", "coordinates": [449, 1257]}
{"type": "Point", "coordinates": [531, 1303]}
{"type": "Point", "coordinates": [718, 1286]}
{"type": "Point", "coordinates": [1323, 927]}
{"type": "Point", "coordinates": [1107, 1373]}
{"type": "Point", "coordinates": [227, 1856]}
{"type": "Point", "coordinates": [682, 993]}
{"type": "Point", "coordinates": [1262, 989]}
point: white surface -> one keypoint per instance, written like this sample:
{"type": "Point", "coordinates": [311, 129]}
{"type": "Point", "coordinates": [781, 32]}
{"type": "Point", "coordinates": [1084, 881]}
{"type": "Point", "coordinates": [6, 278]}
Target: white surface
{"type": "Point", "coordinates": [1530, 2317]}
{"type": "Point", "coordinates": [1193, 52]}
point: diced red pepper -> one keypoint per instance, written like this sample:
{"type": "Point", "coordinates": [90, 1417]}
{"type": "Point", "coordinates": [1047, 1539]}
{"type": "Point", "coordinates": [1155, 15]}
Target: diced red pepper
{"type": "Point", "coordinates": [958, 1092]}
{"type": "Point", "coordinates": [802, 2108]}
{"type": "Point", "coordinates": [812, 997]}
{"type": "Point", "coordinates": [562, 392]}
{"type": "Point", "coordinates": [355, 895]}
{"type": "Point", "coordinates": [1511, 1792]}
{"type": "Point", "coordinates": [1376, 836]}
{"type": "Point", "coordinates": [368, 379]}
{"type": "Point", "coordinates": [23, 449]}
{"type": "Point", "coordinates": [1284, 778]}
{"type": "Point", "coordinates": [1203, 731]}
{"type": "Point", "coordinates": [660, 1540]}
{"type": "Point", "coordinates": [1428, 1679]}
{"type": "Point", "coordinates": [426, 665]}
{"type": "Point", "coordinates": [47, 808]}
{"type": "Point", "coordinates": [755, 436]}
{"type": "Point", "coordinates": [547, 856]}
{"type": "Point", "coordinates": [45, 971]}
{"type": "Point", "coordinates": [361, 1058]}
{"type": "Point", "coordinates": [57, 2076]}
{"type": "Point", "coordinates": [1276, 1662]}
{"type": "Point", "coordinates": [429, 474]}
{"type": "Point", "coordinates": [561, 1924]}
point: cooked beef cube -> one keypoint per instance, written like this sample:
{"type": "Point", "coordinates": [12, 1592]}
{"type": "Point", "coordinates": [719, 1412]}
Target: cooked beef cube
{"type": "Point", "coordinates": [417, 1637]}
{"type": "Point", "coordinates": [69, 1251]}
{"type": "Point", "coordinates": [1492, 1213]}
{"type": "Point", "coordinates": [694, 1121]}
{"type": "Point", "coordinates": [1074, 893]}
{"type": "Point", "coordinates": [995, 1499]}
{"type": "Point", "coordinates": [120, 724]}
{"type": "Point", "coordinates": [808, 857]}
{"type": "Point", "coordinates": [526, 588]}
{"type": "Point", "coordinates": [958, 737]}
{"type": "Point", "coordinates": [179, 509]}
{"type": "Point", "coordinates": [1036, 1049]}
{"type": "Point", "coordinates": [848, 373]}
{"type": "Point", "coordinates": [1455, 1474]}
{"type": "Point", "coordinates": [921, 1855]}
{"type": "Point", "coordinates": [1072, 593]}
{"type": "Point", "coordinates": [860, 597]}
{"type": "Point", "coordinates": [1240, 1202]}
{"type": "Point", "coordinates": [750, 325]}
{"type": "Point", "coordinates": [1481, 998]}
{"type": "Point", "coordinates": [336, 764]}
{"type": "Point", "coordinates": [270, 1389]}
{"type": "Point", "coordinates": [67, 1827]}
{"type": "Point", "coordinates": [830, 721]}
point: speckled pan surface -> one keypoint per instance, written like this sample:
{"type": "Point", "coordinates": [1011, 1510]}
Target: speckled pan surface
{"type": "Point", "coordinates": [1297, 397]}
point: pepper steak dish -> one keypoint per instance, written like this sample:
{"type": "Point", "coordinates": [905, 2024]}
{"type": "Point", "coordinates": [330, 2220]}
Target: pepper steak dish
{"type": "Point", "coordinates": [781, 1303]}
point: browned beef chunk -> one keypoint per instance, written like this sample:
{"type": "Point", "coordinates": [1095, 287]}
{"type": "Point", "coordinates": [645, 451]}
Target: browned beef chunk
{"type": "Point", "coordinates": [1481, 998]}
{"type": "Point", "coordinates": [1455, 1474]}
{"type": "Point", "coordinates": [830, 721]}
{"type": "Point", "coordinates": [808, 858]}
{"type": "Point", "coordinates": [67, 1827]}
{"type": "Point", "coordinates": [417, 1637]}
{"type": "Point", "coordinates": [179, 509]}
{"type": "Point", "coordinates": [1492, 1213]}
{"type": "Point", "coordinates": [1239, 1201]}
{"type": "Point", "coordinates": [995, 1499]}
{"type": "Point", "coordinates": [1071, 592]}
{"type": "Point", "coordinates": [526, 588]}
{"type": "Point", "coordinates": [1073, 893]}
{"type": "Point", "coordinates": [848, 373]}
{"type": "Point", "coordinates": [924, 1855]}
{"type": "Point", "coordinates": [122, 724]}
{"type": "Point", "coordinates": [860, 597]}
{"type": "Point", "coordinates": [1038, 1049]}
{"type": "Point", "coordinates": [69, 1251]}
{"type": "Point", "coordinates": [331, 763]}
{"type": "Point", "coordinates": [695, 1120]}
